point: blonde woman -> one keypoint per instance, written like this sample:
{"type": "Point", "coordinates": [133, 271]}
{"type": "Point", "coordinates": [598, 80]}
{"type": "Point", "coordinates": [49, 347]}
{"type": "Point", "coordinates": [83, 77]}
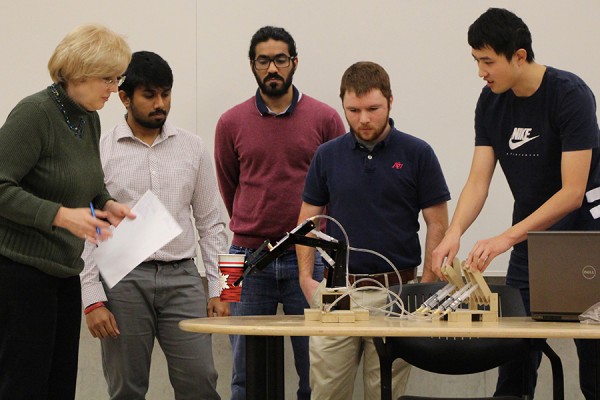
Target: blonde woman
{"type": "Point", "coordinates": [50, 179]}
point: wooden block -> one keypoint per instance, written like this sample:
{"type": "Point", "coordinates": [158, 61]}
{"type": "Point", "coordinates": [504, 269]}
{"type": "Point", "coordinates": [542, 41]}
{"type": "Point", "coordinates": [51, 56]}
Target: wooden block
{"type": "Point", "coordinates": [361, 314]}
{"type": "Point", "coordinates": [312, 314]}
{"type": "Point", "coordinates": [489, 316]}
{"type": "Point", "coordinates": [340, 316]}
{"type": "Point", "coordinates": [483, 292]}
{"type": "Point", "coordinates": [494, 303]}
{"type": "Point", "coordinates": [330, 317]}
{"type": "Point", "coordinates": [463, 315]}
{"type": "Point", "coordinates": [453, 273]}
{"type": "Point", "coordinates": [345, 316]}
{"type": "Point", "coordinates": [459, 316]}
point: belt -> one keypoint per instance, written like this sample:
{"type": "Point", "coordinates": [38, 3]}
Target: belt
{"type": "Point", "coordinates": [387, 279]}
{"type": "Point", "coordinates": [161, 263]}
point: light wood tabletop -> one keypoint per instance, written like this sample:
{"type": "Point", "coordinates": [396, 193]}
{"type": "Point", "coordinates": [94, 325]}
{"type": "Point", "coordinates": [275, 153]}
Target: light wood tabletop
{"type": "Point", "coordinates": [295, 325]}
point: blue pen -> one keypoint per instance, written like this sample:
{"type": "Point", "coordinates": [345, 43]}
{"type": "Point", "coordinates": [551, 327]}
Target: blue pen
{"type": "Point", "coordinates": [94, 215]}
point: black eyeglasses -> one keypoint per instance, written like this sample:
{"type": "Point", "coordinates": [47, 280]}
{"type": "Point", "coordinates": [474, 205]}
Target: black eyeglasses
{"type": "Point", "coordinates": [280, 61]}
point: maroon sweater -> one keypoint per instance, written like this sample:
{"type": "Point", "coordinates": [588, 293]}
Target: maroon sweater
{"type": "Point", "coordinates": [261, 162]}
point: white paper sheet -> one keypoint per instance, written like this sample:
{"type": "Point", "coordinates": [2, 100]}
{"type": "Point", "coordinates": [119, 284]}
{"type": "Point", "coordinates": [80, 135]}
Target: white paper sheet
{"type": "Point", "coordinates": [134, 240]}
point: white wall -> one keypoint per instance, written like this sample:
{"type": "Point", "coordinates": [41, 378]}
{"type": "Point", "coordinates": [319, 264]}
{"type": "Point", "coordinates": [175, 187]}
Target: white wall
{"type": "Point", "coordinates": [422, 44]}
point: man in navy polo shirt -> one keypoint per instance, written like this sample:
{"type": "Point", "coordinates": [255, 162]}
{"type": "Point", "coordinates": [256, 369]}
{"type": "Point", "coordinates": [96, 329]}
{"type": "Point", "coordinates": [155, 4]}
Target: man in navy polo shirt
{"type": "Point", "coordinates": [374, 180]}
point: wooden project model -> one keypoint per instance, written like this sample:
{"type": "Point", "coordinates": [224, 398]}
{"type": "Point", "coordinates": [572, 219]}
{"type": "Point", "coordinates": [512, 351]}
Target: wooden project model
{"type": "Point", "coordinates": [342, 312]}
{"type": "Point", "coordinates": [482, 296]}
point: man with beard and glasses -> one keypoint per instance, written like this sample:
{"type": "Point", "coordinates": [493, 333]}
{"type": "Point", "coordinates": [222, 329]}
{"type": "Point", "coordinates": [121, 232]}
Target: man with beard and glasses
{"type": "Point", "coordinates": [263, 148]}
{"type": "Point", "coordinates": [145, 152]}
{"type": "Point", "coordinates": [374, 181]}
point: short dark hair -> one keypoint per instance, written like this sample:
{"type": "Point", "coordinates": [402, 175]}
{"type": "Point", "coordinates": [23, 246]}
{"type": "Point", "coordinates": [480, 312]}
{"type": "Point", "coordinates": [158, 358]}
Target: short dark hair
{"type": "Point", "coordinates": [364, 76]}
{"type": "Point", "coordinates": [502, 31]}
{"type": "Point", "coordinates": [148, 69]}
{"type": "Point", "coordinates": [271, 32]}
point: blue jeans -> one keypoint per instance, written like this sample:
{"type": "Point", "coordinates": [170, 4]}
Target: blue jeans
{"type": "Point", "coordinates": [510, 375]}
{"type": "Point", "coordinates": [262, 291]}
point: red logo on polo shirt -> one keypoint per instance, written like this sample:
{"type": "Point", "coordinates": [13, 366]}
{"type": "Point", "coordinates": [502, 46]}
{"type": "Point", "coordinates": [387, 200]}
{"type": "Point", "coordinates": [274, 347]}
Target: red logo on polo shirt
{"type": "Point", "coordinates": [397, 165]}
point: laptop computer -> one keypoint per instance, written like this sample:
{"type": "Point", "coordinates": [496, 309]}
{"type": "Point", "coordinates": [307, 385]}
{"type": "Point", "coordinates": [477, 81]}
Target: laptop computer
{"type": "Point", "coordinates": [564, 273]}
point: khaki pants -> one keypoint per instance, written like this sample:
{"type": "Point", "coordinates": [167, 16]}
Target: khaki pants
{"type": "Point", "coordinates": [334, 361]}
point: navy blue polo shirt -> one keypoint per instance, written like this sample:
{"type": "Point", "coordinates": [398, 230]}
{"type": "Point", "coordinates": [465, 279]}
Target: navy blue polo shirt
{"type": "Point", "coordinates": [377, 196]}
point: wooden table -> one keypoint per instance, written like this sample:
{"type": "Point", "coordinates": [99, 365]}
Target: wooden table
{"type": "Point", "coordinates": [265, 334]}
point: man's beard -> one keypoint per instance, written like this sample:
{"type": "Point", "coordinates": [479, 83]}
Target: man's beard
{"type": "Point", "coordinates": [376, 136]}
{"type": "Point", "coordinates": [149, 123]}
{"type": "Point", "coordinates": [275, 91]}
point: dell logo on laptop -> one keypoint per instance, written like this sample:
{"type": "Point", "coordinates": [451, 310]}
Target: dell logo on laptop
{"type": "Point", "coordinates": [588, 272]}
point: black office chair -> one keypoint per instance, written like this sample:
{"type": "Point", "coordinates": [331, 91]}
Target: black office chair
{"type": "Point", "coordinates": [462, 356]}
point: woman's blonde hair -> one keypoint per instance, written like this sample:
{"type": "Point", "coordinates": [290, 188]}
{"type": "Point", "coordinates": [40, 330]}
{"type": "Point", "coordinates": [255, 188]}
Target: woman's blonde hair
{"type": "Point", "coordinates": [89, 51]}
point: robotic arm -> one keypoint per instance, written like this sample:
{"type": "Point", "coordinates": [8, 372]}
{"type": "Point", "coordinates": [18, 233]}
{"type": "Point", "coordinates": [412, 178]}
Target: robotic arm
{"type": "Point", "coordinates": [335, 260]}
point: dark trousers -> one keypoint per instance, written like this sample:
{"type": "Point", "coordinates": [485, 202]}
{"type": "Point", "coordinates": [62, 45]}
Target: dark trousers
{"type": "Point", "coordinates": [510, 375]}
{"type": "Point", "coordinates": [40, 319]}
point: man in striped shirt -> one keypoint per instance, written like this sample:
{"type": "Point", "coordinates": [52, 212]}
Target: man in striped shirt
{"type": "Point", "coordinates": [145, 152]}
